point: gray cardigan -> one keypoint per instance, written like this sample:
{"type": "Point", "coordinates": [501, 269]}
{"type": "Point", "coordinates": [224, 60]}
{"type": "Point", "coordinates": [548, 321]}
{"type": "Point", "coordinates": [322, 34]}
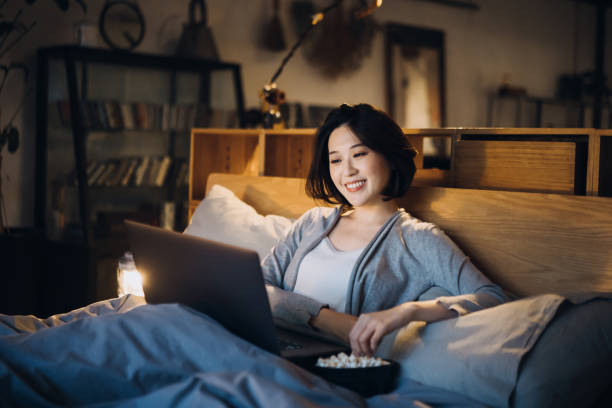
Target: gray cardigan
{"type": "Point", "coordinates": [406, 258]}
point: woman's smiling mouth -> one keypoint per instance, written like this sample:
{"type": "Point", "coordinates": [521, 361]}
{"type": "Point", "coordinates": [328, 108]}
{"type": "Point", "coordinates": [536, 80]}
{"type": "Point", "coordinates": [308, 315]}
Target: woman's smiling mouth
{"type": "Point", "coordinates": [355, 186]}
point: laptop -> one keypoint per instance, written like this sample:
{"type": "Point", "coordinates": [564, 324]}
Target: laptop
{"type": "Point", "coordinates": [224, 282]}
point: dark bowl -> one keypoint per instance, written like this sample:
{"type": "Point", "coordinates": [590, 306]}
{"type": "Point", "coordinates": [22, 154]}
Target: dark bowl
{"type": "Point", "coordinates": [367, 381]}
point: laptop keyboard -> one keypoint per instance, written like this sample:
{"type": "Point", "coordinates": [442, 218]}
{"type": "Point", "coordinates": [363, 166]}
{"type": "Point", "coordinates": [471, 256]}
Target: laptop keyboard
{"type": "Point", "coordinates": [288, 345]}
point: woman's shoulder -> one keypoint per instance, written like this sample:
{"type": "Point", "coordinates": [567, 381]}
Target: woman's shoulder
{"type": "Point", "coordinates": [409, 223]}
{"type": "Point", "coordinates": [318, 215]}
{"type": "Point", "coordinates": [418, 233]}
{"type": "Point", "coordinates": [320, 212]}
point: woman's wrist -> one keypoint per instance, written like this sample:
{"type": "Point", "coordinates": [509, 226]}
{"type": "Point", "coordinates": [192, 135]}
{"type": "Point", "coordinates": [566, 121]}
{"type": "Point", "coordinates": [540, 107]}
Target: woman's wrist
{"type": "Point", "coordinates": [407, 312]}
{"type": "Point", "coordinates": [332, 322]}
{"type": "Point", "coordinates": [426, 311]}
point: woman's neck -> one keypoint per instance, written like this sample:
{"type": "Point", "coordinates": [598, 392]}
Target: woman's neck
{"type": "Point", "coordinates": [373, 214]}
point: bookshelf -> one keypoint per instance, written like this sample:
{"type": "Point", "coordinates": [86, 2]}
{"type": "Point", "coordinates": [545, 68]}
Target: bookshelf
{"type": "Point", "coordinates": [113, 142]}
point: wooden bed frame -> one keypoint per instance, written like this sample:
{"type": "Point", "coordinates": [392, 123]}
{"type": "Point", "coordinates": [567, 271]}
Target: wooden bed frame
{"type": "Point", "coordinates": [529, 243]}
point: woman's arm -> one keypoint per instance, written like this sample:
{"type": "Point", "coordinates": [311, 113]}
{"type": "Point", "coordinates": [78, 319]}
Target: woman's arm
{"type": "Point", "coordinates": [335, 323]}
{"type": "Point", "coordinates": [370, 328]}
{"type": "Point", "coordinates": [449, 268]}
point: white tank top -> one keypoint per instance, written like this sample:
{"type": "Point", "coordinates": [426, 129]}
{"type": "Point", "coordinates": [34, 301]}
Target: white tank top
{"type": "Point", "coordinates": [324, 273]}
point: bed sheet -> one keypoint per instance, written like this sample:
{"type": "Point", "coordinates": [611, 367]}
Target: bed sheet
{"type": "Point", "coordinates": [122, 352]}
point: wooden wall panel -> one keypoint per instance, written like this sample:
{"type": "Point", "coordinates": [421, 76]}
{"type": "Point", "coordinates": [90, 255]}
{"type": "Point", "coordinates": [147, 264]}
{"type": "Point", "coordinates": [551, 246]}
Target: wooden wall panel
{"type": "Point", "coordinates": [592, 187]}
{"type": "Point", "coordinates": [221, 151]}
{"type": "Point", "coordinates": [529, 243]}
{"type": "Point", "coordinates": [288, 155]}
{"type": "Point", "coordinates": [514, 165]}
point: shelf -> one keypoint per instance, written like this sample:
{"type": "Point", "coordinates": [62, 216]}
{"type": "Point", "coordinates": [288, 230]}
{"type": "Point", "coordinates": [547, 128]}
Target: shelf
{"type": "Point", "coordinates": [272, 152]}
{"type": "Point", "coordinates": [113, 141]}
{"type": "Point", "coordinates": [530, 111]}
{"type": "Point", "coordinates": [112, 115]}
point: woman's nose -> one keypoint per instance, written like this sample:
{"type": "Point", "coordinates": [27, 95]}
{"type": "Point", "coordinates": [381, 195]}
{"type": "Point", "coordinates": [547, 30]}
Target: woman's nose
{"type": "Point", "coordinates": [349, 169]}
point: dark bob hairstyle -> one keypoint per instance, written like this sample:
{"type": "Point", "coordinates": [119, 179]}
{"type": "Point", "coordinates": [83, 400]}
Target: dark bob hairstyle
{"type": "Point", "coordinates": [377, 131]}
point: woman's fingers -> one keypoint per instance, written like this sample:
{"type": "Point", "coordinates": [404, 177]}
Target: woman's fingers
{"type": "Point", "coordinates": [364, 340]}
{"type": "Point", "coordinates": [354, 337]}
{"type": "Point", "coordinates": [369, 330]}
{"type": "Point", "coordinates": [375, 339]}
{"type": "Point", "coordinates": [366, 334]}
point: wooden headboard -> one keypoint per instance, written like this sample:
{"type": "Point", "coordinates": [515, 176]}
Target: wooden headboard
{"type": "Point", "coordinates": [529, 243]}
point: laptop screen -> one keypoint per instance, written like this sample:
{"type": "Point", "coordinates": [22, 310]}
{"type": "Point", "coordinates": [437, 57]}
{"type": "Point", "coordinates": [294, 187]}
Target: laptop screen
{"type": "Point", "coordinates": [222, 281]}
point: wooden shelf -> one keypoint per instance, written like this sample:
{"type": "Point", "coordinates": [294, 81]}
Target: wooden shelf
{"type": "Point", "coordinates": [565, 161]}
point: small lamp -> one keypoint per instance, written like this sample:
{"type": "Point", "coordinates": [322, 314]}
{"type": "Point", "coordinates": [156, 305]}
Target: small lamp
{"type": "Point", "coordinates": [129, 280]}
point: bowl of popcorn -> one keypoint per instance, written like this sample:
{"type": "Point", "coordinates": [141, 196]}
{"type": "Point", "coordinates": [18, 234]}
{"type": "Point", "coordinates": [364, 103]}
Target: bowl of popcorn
{"type": "Point", "coordinates": [366, 375]}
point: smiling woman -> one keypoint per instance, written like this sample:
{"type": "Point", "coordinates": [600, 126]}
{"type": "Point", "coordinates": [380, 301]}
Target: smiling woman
{"type": "Point", "coordinates": [357, 270]}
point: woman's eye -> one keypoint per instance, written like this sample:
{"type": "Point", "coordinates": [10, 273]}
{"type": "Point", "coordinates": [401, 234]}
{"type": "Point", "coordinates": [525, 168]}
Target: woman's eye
{"type": "Point", "coordinates": [334, 161]}
{"type": "Point", "coordinates": [360, 154]}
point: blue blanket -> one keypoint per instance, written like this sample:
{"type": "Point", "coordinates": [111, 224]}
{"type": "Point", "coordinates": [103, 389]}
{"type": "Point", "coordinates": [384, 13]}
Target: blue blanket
{"type": "Point", "coordinates": [123, 352]}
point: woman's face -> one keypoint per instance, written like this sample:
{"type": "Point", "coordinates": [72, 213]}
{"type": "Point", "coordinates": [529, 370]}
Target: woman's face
{"type": "Point", "coordinates": [358, 172]}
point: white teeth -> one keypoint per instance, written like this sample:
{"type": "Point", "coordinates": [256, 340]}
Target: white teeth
{"type": "Point", "coordinates": [356, 184]}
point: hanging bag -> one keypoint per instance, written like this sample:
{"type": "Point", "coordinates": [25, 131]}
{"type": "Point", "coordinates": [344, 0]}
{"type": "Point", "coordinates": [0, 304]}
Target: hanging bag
{"type": "Point", "coordinates": [197, 39]}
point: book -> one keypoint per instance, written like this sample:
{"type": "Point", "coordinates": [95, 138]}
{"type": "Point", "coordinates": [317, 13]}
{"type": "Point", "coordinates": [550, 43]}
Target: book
{"type": "Point", "coordinates": [182, 175]}
{"type": "Point", "coordinates": [91, 166]}
{"type": "Point", "coordinates": [127, 177]}
{"type": "Point", "coordinates": [141, 170]}
{"type": "Point", "coordinates": [140, 110]}
{"type": "Point", "coordinates": [151, 177]}
{"type": "Point", "coordinates": [113, 110]}
{"type": "Point", "coordinates": [163, 171]}
{"type": "Point", "coordinates": [150, 116]}
{"type": "Point", "coordinates": [127, 116]}
{"type": "Point", "coordinates": [95, 175]}
{"type": "Point", "coordinates": [111, 167]}
{"type": "Point", "coordinates": [114, 179]}
{"type": "Point", "coordinates": [102, 114]}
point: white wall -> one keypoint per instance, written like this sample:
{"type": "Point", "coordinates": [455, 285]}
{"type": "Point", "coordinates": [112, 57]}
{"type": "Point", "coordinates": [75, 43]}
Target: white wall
{"type": "Point", "coordinates": [531, 40]}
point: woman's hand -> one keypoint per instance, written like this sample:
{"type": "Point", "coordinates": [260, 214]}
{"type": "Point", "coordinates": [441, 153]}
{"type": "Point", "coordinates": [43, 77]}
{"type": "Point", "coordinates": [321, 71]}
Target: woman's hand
{"type": "Point", "coordinates": [370, 328]}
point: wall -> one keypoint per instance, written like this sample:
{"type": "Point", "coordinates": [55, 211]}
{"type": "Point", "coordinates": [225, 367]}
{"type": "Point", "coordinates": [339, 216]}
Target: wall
{"type": "Point", "coordinates": [531, 40]}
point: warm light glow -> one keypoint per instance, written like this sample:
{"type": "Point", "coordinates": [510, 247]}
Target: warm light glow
{"type": "Point", "coordinates": [316, 18]}
{"type": "Point", "coordinates": [369, 10]}
{"type": "Point", "coordinates": [129, 280]}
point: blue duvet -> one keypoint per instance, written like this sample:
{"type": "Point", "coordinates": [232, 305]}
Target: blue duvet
{"type": "Point", "coordinates": [123, 352]}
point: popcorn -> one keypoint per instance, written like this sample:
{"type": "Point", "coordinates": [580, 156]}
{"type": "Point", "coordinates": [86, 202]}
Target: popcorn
{"type": "Point", "coordinates": [343, 361]}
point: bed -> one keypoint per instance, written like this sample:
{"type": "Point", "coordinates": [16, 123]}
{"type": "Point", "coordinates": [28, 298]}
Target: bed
{"type": "Point", "coordinates": [550, 251]}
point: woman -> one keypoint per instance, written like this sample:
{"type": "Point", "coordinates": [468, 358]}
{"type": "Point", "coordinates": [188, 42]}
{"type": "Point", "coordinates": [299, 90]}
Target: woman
{"type": "Point", "coordinates": [357, 270]}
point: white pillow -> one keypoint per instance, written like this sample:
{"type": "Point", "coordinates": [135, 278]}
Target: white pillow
{"type": "Point", "coordinates": [223, 217]}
